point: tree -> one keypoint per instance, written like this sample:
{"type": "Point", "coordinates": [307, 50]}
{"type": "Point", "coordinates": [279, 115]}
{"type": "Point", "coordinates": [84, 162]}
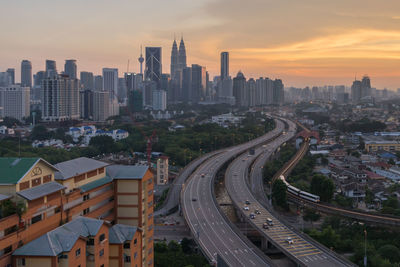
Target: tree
{"type": "Point", "coordinates": [390, 252]}
{"type": "Point", "coordinates": [40, 133]}
{"type": "Point", "coordinates": [279, 193]}
{"type": "Point", "coordinates": [104, 143]}
{"type": "Point", "coordinates": [391, 162]}
{"type": "Point", "coordinates": [10, 122]}
{"type": "Point", "coordinates": [323, 187]}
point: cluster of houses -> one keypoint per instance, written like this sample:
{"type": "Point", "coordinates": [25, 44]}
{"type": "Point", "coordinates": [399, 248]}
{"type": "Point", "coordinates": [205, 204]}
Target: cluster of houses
{"type": "Point", "coordinates": [88, 131]}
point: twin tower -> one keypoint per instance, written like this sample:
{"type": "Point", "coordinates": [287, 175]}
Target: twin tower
{"type": "Point", "coordinates": [178, 58]}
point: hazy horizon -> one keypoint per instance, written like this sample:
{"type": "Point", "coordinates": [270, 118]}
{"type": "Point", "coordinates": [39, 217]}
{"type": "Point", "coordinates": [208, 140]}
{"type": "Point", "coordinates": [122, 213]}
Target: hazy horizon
{"type": "Point", "coordinates": [305, 43]}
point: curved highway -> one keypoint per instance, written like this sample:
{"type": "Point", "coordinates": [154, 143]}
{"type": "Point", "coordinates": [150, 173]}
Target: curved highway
{"type": "Point", "coordinates": [210, 228]}
{"type": "Point", "coordinates": [172, 199]}
{"type": "Point", "coordinates": [285, 239]}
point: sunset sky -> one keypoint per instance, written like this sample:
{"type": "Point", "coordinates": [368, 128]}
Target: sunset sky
{"type": "Point", "coordinates": [304, 42]}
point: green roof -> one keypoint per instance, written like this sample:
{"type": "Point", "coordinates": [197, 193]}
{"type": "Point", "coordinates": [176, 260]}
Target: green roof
{"type": "Point", "coordinates": [97, 183]}
{"type": "Point", "coordinates": [13, 169]}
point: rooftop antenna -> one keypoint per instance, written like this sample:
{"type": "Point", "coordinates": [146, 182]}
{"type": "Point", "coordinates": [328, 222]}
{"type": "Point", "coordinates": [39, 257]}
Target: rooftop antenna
{"type": "Point", "coordinates": [141, 59]}
{"type": "Point", "coordinates": [127, 68]}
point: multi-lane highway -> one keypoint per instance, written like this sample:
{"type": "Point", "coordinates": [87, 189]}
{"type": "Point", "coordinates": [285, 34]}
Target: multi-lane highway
{"type": "Point", "coordinates": [212, 231]}
{"type": "Point", "coordinates": [287, 240]}
{"type": "Point", "coordinates": [172, 199]}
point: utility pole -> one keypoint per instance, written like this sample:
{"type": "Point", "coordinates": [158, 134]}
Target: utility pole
{"type": "Point", "coordinates": [365, 248]}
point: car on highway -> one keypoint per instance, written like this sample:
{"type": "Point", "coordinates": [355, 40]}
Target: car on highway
{"type": "Point", "coordinates": [289, 240]}
{"type": "Point", "coordinates": [246, 208]}
{"type": "Point", "coordinates": [247, 202]}
{"type": "Point", "coordinates": [252, 216]}
{"type": "Point", "coordinates": [203, 175]}
{"type": "Point", "coordinates": [257, 212]}
{"type": "Point", "coordinates": [194, 199]}
{"type": "Point", "coordinates": [265, 226]}
{"type": "Point", "coordinates": [269, 222]}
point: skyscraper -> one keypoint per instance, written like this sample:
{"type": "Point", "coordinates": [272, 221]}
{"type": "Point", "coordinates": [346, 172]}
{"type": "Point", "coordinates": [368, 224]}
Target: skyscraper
{"type": "Point", "coordinates": [101, 103]}
{"type": "Point", "coordinates": [51, 69]}
{"type": "Point", "coordinates": [182, 55]}
{"type": "Point", "coordinates": [153, 64]}
{"type": "Point", "coordinates": [186, 84]}
{"type": "Point", "coordinates": [26, 73]}
{"type": "Point", "coordinates": [159, 100]}
{"type": "Point", "coordinates": [199, 83]}
{"type": "Point", "coordinates": [278, 92]}
{"type": "Point", "coordinates": [174, 60]}
{"type": "Point", "coordinates": [70, 68]}
{"type": "Point", "coordinates": [224, 65]}
{"type": "Point", "coordinates": [60, 98]}
{"type": "Point", "coordinates": [87, 80]}
{"type": "Point", "coordinates": [110, 81]}
{"type": "Point", "coordinates": [365, 86]}
{"type": "Point", "coordinates": [98, 83]}
{"type": "Point", "coordinates": [356, 91]}
{"type": "Point", "coordinates": [251, 91]}
{"type": "Point", "coordinates": [239, 90]}
{"type": "Point", "coordinates": [11, 74]}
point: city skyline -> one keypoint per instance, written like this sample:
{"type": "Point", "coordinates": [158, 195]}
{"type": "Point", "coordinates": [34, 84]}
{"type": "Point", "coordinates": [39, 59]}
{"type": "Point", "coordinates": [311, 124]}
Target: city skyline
{"type": "Point", "coordinates": [307, 44]}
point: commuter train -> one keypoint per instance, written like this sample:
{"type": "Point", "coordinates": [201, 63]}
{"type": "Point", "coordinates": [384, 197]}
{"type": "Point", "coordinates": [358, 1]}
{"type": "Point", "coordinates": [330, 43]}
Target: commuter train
{"type": "Point", "coordinates": [298, 192]}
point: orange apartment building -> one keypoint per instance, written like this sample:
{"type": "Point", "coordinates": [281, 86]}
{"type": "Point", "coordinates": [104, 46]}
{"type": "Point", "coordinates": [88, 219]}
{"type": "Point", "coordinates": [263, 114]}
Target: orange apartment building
{"type": "Point", "coordinates": [57, 194]}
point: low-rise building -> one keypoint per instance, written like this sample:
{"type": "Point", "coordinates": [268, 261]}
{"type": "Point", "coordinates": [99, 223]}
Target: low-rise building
{"type": "Point", "coordinates": [375, 146]}
{"type": "Point", "coordinates": [162, 170]}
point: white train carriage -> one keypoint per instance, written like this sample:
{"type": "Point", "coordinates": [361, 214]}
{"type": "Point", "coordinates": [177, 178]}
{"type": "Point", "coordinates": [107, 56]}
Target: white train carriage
{"type": "Point", "coordinates": [309, 196]}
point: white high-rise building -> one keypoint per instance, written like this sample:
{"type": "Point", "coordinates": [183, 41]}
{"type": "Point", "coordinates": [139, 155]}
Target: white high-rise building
{"type": "Point", "coordinates": [110, 81]}
{"type": "Point", "coordinates": [159, 100]}
{"type": "Point", "coordinates": [101, 102]}
{"type": "Point", "coordinates": [15, 101]}
{"type": "Point", "coordinates": [60, 98]}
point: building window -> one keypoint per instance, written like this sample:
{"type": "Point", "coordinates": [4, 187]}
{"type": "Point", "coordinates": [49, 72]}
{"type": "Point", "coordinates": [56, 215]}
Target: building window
{"type": "Point", "coordinates": [24, 185]}
{"type": "Point", "coordinates": [127, 245]}
{"type": "Point", "coordinates": [127, 258]}
{"type": "Point", "coordinates": [36, 219]}
{"type": "Point", "coordinates": [47, 178]}
{"type": "Point", "coordinates": [135, 255]}
{"type": "Point", "coordinates": [101, 170]}
{"type": "Point", "coordinates": [78, 252]}
{"type": "Point", "coordinates": [36, 182]}
{"type": "Point", "coordinates": [79, 178]}
{"type": "Point", "coordinates": [21, 262]}
{"type": "Point", "coordinates": [135, 241]}
{"type": "Point", "coordinates": [102, 237]}
{"type": "Point", "coordinates": [86, 211]}
{"type": "Point", "coordinates": [91, 174]}
{"type": "Point", "coordinates": [86, 197]}
{"type": "Point", "coordinates": [101, 253]}
{"type": "Point", "coordinates": [7, 250]}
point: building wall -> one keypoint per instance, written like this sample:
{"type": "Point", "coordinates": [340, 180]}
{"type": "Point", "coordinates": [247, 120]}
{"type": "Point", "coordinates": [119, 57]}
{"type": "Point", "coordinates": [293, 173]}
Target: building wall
{"type": "Point", "coordinates": [387, 147]}
{"type": "Point", "coordinates": [83, 178]}
{"type": "Point", "coordinates": [36, 176]}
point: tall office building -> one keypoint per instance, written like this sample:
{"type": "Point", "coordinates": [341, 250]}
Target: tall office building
{"type": "Point", "coordinates": [270, 91]}
{"type": "Point", "coordinates": [11, 74]}
{"type": "Point", "coordinates": [356, 92]}
{"type": "Point", "coordinates": [159, 100]}
{"type": "Point", "coordinates": [148, 88]}
{"type": "Point", "coordinates": [251, 91]}
{"type": "Point", "coordinates": [240, 90]}
{"type": "Point", "coordinates": [182, 55]}
{"type": "Point", "coordinates": [86, 104]}
{"type": "Point", "coordinates": [51, 69]}
{"type": "Point", "coordinates": [366, 87]}
{"type": "Point", "coordinates": [153, 64]}
{"type": "Point", "coordinates": [60, 98]}
{"type": "Point", "coordinates": [98, 83]}
{"type": "Point", "coordinates": [87, 80]}
{"type": "Point", "coordinates": [36, 91]}
{"type": "Point", "coordinates": [26, 73]}
{"type": "Point", "coordinates": [110, 81]}
{"type": "Point", "coordinates": [186, 84]}
{"type": "Point", "coordinates": [15, 100]}
{"type": "Point", "coordinates": [174, 60]}
{"type": "Point", "coordinates": [278, 92]}
{"type": "Point", "coordinates": [5, 79]}
{"type": "Point", "coordinates": [122, 89]}
{"type": "Point", "coordinates": [199, 84]}
{"type": "Point", "coordinates": [101, 103]}
{"type": "Point", "coordinates": [224, 65]}
{"type": "Point", "coordinates": [71, 69]}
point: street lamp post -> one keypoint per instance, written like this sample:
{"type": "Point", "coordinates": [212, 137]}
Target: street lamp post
{"type": "Point", "coordinates": [365, 248]}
